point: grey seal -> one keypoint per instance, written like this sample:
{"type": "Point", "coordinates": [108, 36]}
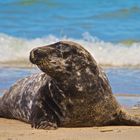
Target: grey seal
{"type": "Point", "coordinates": [72, 91]}
{"type": "Point", "coordinates": [84, 83]}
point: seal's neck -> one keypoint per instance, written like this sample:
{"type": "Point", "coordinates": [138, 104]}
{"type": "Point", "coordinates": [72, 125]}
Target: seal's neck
{"type": "Point", "coordinates": [87, 80]}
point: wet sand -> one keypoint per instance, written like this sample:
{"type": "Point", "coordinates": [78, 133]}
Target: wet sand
{"type": "Point", "coordinates": [16, 130]}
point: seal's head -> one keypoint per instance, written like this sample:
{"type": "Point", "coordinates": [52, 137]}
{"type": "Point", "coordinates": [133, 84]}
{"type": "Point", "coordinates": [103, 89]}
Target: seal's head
{"type": "Point", "coordinates": [66, 61]}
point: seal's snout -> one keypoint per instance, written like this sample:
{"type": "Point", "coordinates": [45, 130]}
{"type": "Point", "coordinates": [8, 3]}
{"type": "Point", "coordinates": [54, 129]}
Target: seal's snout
{"type": "Point", "coordinates": [36, 55]}
{"type": "Point", "coordinates": [33, 56]}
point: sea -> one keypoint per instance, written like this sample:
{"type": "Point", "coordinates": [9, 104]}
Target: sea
{"type": "Point", "coordinates": [109, 30]}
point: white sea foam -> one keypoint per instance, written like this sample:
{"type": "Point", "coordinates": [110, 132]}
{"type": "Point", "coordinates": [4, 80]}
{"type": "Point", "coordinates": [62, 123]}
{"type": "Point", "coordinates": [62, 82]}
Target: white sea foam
{"type": "Point", "coordinates": [15, 50]}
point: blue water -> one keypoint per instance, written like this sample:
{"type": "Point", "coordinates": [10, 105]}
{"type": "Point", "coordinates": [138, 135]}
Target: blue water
{"type": "Point", "coordinates": [9, 76]}
{"type": "Point", "coordinates": [109, 30]}
{"type": "Point", "coordinates": [124, 80]}
{"type": "Point", "coordinates": [115, 20]}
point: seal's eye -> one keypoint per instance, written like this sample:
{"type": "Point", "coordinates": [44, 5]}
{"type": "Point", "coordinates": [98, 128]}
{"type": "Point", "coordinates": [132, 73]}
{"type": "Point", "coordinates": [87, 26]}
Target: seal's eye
{"type": "Point", "coordinates": [56, 53]}
{"type": "Point", "coordinates": [62, 47]}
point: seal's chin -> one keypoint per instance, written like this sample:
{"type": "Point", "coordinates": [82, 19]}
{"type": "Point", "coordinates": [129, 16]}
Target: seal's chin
{"type": "Point", "coordinates": [44, 66]}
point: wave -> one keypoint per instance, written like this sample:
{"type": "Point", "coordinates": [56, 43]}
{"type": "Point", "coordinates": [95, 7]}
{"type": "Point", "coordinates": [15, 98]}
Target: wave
{"type": "Point", "coordinates": [16, 50]}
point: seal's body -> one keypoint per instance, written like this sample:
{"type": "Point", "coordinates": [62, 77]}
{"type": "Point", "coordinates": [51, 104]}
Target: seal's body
{"type": "Point", "coordinates": [34, 100]}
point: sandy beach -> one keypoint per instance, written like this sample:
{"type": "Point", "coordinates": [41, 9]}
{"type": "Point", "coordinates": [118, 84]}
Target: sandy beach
{"type": "Point", "coordinates": [16, 130]}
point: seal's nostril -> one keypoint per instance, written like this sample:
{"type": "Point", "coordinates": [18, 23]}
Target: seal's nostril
{"type": "Point", "coordinates": [32, 57]}
{"type": "Point", "coordinates": [36, 52]}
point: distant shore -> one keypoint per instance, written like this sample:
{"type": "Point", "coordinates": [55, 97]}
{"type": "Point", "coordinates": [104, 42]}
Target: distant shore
{"type": "Point", "coordinates": [126, 95]}
{"type": "Point", "coordinates": [17, 64]}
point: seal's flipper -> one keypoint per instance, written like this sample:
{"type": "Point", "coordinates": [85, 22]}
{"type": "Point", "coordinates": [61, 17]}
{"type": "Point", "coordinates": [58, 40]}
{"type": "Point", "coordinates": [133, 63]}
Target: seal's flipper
{"type": "Point", "coordinates": [124, 118]}
{"type": "Point", "coordinates": [127, 119]}
{"type": "Point", "coordinates": [41, 116]}
{"type": "Point", "coordinates": [46, 125]}
{"type": "Point", "coordinates": [40, 120]}
{"type": "Point", "coordinates": [48, 110]}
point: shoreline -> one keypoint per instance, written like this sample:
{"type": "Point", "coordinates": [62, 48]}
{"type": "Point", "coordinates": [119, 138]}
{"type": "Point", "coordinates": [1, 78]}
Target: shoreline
{"type": "Point", "coordinates": [17, 65]}
{"type": "Point", "coordinates": [126, 95]}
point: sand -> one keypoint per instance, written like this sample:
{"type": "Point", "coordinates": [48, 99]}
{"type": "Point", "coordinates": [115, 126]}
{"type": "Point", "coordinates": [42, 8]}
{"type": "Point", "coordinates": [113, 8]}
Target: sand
{"type": "Point", "coordinates": [16, 130]}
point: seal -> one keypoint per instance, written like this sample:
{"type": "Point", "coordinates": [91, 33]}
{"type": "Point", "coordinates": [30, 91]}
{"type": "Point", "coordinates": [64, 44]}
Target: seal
{"type": "Point", "coordinates": [37, 100]}
{"type": "Point", "coordinates": [84, 84]}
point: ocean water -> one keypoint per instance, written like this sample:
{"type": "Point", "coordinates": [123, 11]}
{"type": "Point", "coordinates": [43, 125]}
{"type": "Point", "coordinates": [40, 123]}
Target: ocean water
{"type": "Point", "coordinates": [109, 30]}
